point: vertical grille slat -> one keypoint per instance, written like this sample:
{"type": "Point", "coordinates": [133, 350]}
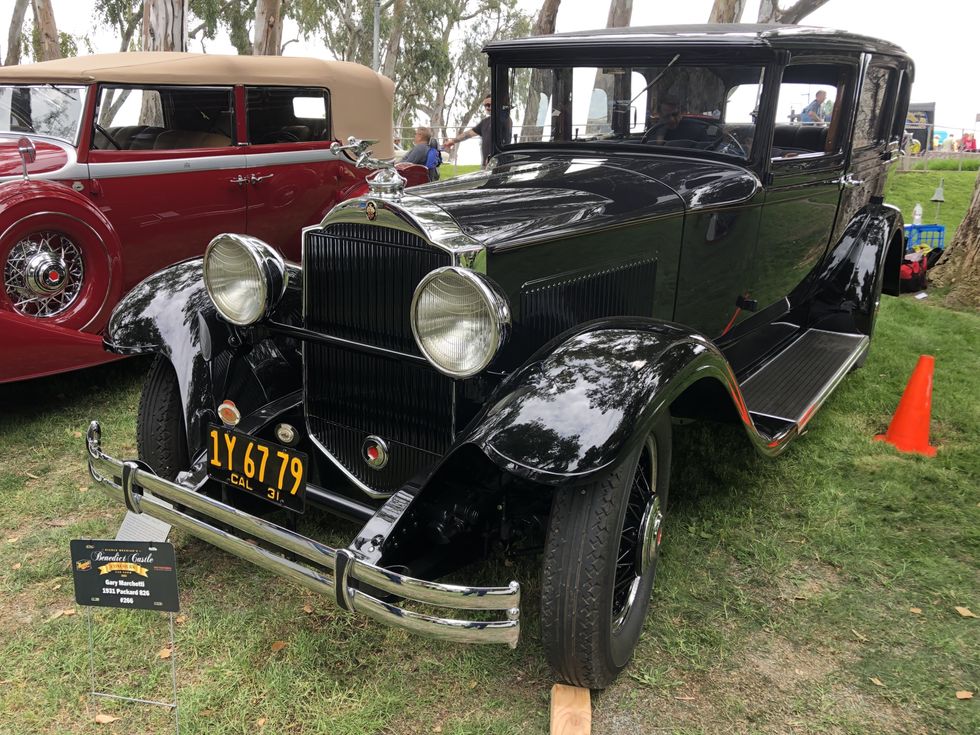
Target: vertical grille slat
{"type": "Point", "coordinates": [359, 284]}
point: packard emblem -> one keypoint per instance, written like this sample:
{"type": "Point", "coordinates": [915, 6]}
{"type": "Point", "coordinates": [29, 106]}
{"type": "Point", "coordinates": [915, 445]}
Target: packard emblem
{"type": "Point", "coordinates": [374, 452]}
{"type": "Point", "coordinates": [371, 210]}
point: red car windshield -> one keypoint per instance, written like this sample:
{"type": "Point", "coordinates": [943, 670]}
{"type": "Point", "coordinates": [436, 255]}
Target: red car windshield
{"type": "Point", "coordinates": [45, 109]}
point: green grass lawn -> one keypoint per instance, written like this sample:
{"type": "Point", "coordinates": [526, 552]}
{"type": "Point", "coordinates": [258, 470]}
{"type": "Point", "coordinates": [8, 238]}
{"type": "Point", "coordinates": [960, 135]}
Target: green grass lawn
{"type": "Point", "coordinates": [786, 590]}
{"type": "Point", "coordinates": [905, 189]}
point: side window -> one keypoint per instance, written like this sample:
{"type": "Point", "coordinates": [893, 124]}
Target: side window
{"type": "Point", "coordinates": [287, 114]}
{"type": "Point", "coordinates": [811, 110]}
{"type": "Point", "coordinates": [163, 118]}
{"type": "Point", "coordinates": [871, 126]}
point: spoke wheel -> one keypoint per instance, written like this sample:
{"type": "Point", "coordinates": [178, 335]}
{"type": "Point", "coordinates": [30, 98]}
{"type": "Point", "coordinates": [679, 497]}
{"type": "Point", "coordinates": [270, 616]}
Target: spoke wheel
{"type": "Point", "coordinates": [599, 564]}
{"type": "Point", "coordinates": [43, 274]}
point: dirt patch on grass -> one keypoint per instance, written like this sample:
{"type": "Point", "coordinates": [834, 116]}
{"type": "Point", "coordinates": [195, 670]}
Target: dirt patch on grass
{"type": "Point", "coordinates": [806, 580]}
{"type": "Point", "coordinates": [779, 687]}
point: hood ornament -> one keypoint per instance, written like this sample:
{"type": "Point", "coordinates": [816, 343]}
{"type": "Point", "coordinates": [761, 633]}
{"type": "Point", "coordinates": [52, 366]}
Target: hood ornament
{"type": "Point", "coordinates": [385, 181]}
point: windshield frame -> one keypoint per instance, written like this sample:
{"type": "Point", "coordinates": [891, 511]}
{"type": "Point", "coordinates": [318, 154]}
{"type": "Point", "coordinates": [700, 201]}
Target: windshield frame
{"type": "Point", "coordinates": [83, 92]}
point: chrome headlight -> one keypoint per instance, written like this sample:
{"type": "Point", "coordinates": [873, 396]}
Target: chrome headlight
{"type": "Point", "coordinates": [244, 276]}
{"type": "Point", "coordinates": [459, 320]}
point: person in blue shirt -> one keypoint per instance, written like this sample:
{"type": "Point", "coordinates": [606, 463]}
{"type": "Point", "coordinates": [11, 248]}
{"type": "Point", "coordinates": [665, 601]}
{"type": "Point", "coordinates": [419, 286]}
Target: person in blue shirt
{"type": "Point", "coordinates": [813, 112]}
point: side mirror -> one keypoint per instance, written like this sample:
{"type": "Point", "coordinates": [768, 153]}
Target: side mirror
{"type": "Point", "coordinates": [27, 151]}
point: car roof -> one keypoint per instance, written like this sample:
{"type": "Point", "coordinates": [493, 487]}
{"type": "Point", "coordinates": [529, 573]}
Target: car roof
{"type": "Point", "coordinates": [774, 36]}
{"type": "Point", "coordinates": [361, 99]}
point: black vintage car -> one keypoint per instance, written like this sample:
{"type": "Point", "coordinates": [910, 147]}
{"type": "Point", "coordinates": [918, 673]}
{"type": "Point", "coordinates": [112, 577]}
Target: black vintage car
{"type": "Point", "coordinates": [677, 222]}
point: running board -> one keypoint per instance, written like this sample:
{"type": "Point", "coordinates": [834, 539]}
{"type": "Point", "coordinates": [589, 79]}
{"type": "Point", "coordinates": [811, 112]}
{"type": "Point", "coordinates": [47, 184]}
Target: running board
{"type": "Point", "coordinates": [788, 389]}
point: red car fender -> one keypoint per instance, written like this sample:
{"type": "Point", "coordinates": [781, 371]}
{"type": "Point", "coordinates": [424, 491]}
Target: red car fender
{"type": "Point", "coordinates": [34, 348]}
{"type": "Point", "coordinates": [31, 209]}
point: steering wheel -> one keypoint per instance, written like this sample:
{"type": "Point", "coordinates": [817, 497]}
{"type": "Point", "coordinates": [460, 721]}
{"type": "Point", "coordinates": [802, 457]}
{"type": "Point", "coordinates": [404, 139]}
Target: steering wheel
{"type": "Point", "coordinates": [279, 136]}
{"type": "Point", "coordinates": [721, 142]}
{"type": "Point", "coordinates": [108, 136]}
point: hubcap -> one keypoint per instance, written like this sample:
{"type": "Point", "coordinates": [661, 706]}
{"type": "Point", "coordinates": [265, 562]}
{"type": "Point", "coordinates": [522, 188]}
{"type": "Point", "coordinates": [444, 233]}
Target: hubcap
{"type": "Point", "coordinates": [43, 274]}
{"type": "Point", "coordinates": [640, 540]}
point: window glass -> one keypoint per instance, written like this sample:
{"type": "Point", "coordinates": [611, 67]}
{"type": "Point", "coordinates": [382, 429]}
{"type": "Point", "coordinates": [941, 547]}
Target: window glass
{"type": "Point", "coordinates": [869, 126]}
{"type": "Point", "coordinates": [810, 110]}
{"type": "Point", "coordinates": [287, 115]}
{"type": "Point", "coordinates": [164, 118]}
{"type": "Point", "coordinates": [674, 105]}
{"type": "Point", "coordinates": [50, 109]}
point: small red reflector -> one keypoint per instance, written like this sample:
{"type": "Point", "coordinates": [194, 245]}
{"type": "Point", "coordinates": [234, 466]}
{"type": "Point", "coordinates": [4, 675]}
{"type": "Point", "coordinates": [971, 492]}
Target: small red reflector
{"type": "Point", "coordinates": [54, 277]}
{"type": "Point", "coordinates": [373, 453]}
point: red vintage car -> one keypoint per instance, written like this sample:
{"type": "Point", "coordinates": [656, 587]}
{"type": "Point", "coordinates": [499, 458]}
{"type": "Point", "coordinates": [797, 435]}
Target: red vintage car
{"type": "Point", "coordinates": [113, 166]}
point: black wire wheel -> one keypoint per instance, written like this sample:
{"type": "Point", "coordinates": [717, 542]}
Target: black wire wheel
{"type": "Point", "coordinates": [43, 274]}
{"type": "Point", "coordinates": [600, 562]}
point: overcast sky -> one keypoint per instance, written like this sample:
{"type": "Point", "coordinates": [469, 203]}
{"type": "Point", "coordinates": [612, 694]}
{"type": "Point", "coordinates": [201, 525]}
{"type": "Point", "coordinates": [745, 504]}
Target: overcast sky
{"type": "Point", "coordinates": [945, 44]}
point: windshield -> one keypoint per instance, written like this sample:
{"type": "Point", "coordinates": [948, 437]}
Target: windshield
{"type": "Point", "coordinates": [45, 109]}
{"type": "Point", "coordinates": [670, 104]}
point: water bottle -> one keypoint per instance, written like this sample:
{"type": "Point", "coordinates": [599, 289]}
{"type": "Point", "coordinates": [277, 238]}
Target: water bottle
{"type": "Point", "coordinates": [917, 214]}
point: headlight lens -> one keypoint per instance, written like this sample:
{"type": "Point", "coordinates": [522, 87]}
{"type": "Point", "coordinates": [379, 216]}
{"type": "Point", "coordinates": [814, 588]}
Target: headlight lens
{"type": "Point", "coordinates": [244, 276]}
{"type": "Point", "coordinates": [459, 320]}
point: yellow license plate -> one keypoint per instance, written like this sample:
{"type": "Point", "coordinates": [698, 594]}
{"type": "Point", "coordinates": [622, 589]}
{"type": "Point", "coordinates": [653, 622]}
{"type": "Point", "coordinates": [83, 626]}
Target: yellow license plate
{"type": "Point", "coordinates": [269, 471]}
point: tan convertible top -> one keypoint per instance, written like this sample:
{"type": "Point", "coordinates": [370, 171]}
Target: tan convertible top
{"type": "Point", "coordinates": [360, 99]}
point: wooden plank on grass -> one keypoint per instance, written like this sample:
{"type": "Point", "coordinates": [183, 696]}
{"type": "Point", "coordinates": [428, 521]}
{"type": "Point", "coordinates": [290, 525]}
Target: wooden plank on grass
{"type": "Point", "coordinates": [571, 710]}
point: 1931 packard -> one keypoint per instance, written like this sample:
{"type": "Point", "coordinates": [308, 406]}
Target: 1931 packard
{"type": "Point", "coordinates": [497, 359]}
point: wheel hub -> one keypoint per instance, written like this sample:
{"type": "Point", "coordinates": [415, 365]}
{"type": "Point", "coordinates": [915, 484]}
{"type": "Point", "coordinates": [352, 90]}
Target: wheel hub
{"type": "Point", "coordinates": [46, 274]}
{"type": "Point", "coordinates": [43, 274]}
{"type": "Point", "coordinates": [651, 531]}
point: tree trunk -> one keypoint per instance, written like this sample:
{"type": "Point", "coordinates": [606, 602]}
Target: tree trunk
{"type": "Point", "coordinates": [726, 11]}
{"type": "Point", "coordinates": [960, 269]}
{"type": "Point", "coordinates": [394, 39]}
{"type": "Point", "coordinates": [543, 26]}
{"type": "Point", "coordinates": [769, 11]}
{"type": "Point", "coordinates": [47, 30]}
{"type": "Point", "coordinates": [268, 28]}
{"type": "Point", "coordinates": [165, 25]}
{"type": "Point", "coordinates": [15, 33]}
{"type": "Point", "coordinates": [620, 13]}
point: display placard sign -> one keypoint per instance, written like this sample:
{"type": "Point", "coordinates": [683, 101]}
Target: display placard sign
{"type": "Point", "coordinates": [140, 575]}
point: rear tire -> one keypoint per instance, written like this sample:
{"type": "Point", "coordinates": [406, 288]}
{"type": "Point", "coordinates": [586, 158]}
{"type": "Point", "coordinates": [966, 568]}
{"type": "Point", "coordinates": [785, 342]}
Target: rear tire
{"type": "Point", "coordinates": [600, 562]}
{"type": "Point", "coordinates": [161, 439]}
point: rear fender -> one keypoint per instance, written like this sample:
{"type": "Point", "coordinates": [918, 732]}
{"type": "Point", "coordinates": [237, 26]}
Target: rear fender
{"type": "Point", "coordinates": [588, 401]}
{"type": "Point", "coordinates": [170, 313]}
{"type": "Point", "coordinates": [863, 264]}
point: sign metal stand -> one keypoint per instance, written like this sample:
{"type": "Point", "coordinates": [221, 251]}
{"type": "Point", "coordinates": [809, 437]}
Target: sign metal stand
{"type": "Point", "coordinates": [138, 575]}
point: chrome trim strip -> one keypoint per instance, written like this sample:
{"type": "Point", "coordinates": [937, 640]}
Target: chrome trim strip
{"type": "Point", "coordinates": [218, 162]}
{"type": "Point", "coordinates": [156, 490]}
{"type": "Point", "coordinates": [834, 381]}
{"type": "Point", "coordinates": [366, 489]}
{"type": "Point", "coordinates": [283, 158]}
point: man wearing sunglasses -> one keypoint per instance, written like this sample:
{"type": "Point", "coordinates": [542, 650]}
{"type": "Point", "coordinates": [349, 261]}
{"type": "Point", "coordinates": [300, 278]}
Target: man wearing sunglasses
{"type": "Point", "coordinates": [482, 129]}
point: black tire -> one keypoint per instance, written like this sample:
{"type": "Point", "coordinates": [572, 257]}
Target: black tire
{"type": "Point", "coordinates": [589, 628]}
{"type": "Point", "coordinates": [161, 439]}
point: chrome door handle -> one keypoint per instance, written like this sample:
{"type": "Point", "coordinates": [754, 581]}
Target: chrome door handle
{"type": "Point", "coordinates": [239, 180]}
{"type": "Point", "coordinates": [847, 181]}
{"type": "Point", "coordinates": [256, 179]}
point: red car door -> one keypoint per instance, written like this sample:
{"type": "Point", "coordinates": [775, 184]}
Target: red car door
{"type": "Point", "coordinates": [165, 169]}
{"type": "Point", "coordinates": [294, 179]}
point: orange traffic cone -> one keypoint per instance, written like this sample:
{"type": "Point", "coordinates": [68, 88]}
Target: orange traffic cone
{"type": "Point", "coordinates": [909, 429]}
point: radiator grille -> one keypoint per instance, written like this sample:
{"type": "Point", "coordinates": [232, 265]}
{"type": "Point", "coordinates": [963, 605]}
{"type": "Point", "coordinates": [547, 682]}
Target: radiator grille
{"type": "Point", "coordinates": [359, 285]}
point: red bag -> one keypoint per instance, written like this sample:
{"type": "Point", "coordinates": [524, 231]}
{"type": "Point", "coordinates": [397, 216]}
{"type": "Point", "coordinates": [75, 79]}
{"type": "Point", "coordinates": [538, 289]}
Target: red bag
{"type": "Point", "coordinates": [913, 272]}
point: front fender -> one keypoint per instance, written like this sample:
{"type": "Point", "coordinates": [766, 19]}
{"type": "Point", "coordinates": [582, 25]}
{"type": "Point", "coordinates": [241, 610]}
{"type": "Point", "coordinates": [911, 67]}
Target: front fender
{"type": "Point", "coordinates": [170, 313]}
{"type": "Point", "coordinates": [573, 411]}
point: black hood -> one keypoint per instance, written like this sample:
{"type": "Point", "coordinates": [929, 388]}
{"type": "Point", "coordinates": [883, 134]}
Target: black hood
{"type": "Point", "coordinates": [524, 197]}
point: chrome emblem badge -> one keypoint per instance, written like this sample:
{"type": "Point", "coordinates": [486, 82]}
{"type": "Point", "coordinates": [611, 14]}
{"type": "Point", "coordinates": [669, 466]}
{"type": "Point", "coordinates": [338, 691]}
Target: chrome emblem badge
{"type": "Point", "coordinates": [371, 210]}
{"type": "Point", "coordinates": [374, 452]}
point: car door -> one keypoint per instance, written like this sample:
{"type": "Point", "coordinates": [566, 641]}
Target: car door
{"type": "Point", "coordinates": [807, 162]}
{"type": "Point", "coordinates": [165, 169]}
{"type": "Point", "coordinates": [294, 179]}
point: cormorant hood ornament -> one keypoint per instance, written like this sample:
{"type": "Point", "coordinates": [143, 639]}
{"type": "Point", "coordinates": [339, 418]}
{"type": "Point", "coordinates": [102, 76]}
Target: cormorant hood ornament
{"type": "Point", "coordinates": [385, 181]}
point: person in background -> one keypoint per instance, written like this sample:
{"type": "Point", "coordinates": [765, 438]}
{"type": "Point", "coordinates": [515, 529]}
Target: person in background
{"type": "Point", "coordinates": [483, 129]}
{"type": "Point", "coordinates": [420, 150]}
{"type": "Point", "coordinates": [813, 112]}
{"type": "Point", "coordinates": [433, 160]}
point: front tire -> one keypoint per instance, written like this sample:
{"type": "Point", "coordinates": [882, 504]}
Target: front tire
{"type": "Point", "coordinates": [161, 439]}
{"type": "Point", "coordinates": [600, 562]}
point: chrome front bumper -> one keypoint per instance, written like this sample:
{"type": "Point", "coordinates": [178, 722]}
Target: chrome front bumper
{"type": "Point", "coordinates": [144, 492]}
